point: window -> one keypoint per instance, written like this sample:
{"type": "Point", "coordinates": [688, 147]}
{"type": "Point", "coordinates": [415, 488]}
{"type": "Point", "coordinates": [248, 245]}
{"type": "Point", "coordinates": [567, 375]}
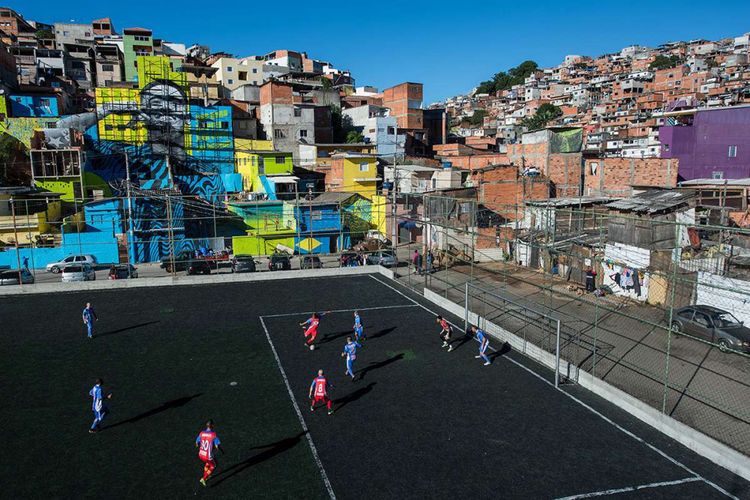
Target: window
{"type": "Point", "coordinates": [364, 167]}
{"type": "Point", "coordinates": [280, 160]}
{"type": "Point", "coordinates": [278, 134]}
{"type": "Point", "coordinates": [242, 75]}
{"type": "Point", "coordinates": [140, 38]}
{"type": "Point", "coordinates": [391, 130]}
{"type": "Point", "coordinates": [255, 70]}
{"type": "Point", "coordinates": [225, 125]}
{"type": "Point", "coordinates": [717, 175]}
{"type": "Point", "coordinates": [702, 320]}
{"type": "Point", "coordinates": [255, 82]}
{"type": "Point", "coordinates": [303, 133]}
{"type": "Point", "coordinates": [297, 112]}
{"type": "Point", "coordinates": [86, 33]}
{"type": "Point", "coordinates": [230, 81]}
{"type": "Point", "coordinates": [108, 127]}
{"type": "Point", "coordinates": [66, 33]}
{"type": "Point", "coordinates": [108, 67]}
{"type": "Point", "coordinates": [732, 153]}
{"type": "Point", "coordinates": [229, 69]}
{"type": "Point", "coordinates": [317, 215]}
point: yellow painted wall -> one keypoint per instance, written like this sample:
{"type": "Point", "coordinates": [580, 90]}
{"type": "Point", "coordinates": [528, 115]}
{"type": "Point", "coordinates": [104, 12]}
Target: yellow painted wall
{"type": "Point", "coordinates": [247, 161]}
{"type": "Point", "coordinates": [117, 112]}
{"type": "Point", "coordinates": [379, 213]}
{"type": "Point", "coordinates": [259, 245]}
{"type": "Point", "coordinates": [352, 171]}
{"type": "Point", "coordinates": [27, 228]}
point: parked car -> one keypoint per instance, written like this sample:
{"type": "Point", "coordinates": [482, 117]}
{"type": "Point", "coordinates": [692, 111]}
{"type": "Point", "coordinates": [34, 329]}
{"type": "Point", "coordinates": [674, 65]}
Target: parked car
{"type": "Point", "coordinates": [198, 266]}
{"type": "Point", "coordinates": [279, 262]}
{"type": "Point", "coordinates": [243, 264]}
{"type": "Point", "coordinates": [712, 324]}
{"type": "Point", "coordinates": [310, 262]}
{"type": "Point", "coordinates": [78, 272]}
{"type": "Point", "coordinates": [56, 267]}
{"type": "Point", "coordinates": [385, 258]}
{"type": "Point", "coordinates": [125, 271]}
{"type": "Point", "coordinates": [181, 261]}
{"type": "Point", "coordinates": [10, 277]}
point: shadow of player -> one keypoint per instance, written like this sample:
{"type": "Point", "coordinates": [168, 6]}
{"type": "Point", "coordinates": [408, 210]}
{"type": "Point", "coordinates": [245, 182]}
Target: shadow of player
{"type": "Point", "coordinates": [380, 364]}
{"type": "Point", "coordinates": [353, 396]}
{"type": "Point", "coordinates": [381, 333]}
{"type": "Point", "coordinates": [175, 403]}
{"type": "Point", "coordinates": [333, 336]}
{"type": "Point", "coordinates": [127, 328]}
{"type": "Point", "coordinates": [269, 451]}
{"type": "Point", "coordinates": [504, 349]}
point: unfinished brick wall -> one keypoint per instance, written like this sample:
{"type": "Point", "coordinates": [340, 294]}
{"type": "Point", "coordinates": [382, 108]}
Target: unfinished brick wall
{"type": "Point", "coordinates": [616, 176]}
{"type": "Point", "coordinates": [503, 191]}
{"type": "Point", "coordinates": [562, 169]}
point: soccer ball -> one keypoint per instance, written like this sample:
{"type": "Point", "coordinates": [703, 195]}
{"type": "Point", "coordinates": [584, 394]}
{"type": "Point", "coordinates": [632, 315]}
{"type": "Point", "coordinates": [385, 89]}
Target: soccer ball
{"type": "Point", "coordinates": [312, 347]}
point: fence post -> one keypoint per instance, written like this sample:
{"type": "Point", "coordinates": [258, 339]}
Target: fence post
{"type": "Point", "coordinates": [466, 307]}
{"type": "Point", "coordinates": [676, 256]}
{"type": "Point", "coordinates": [557, 356]}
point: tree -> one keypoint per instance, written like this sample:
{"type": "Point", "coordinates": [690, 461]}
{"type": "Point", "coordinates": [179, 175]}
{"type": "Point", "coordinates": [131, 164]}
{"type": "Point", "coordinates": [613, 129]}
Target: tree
{"type": "Point", "coordinates": [664, 62]}
{"type": "Point", "coordinates": [504, 81]}
{"type": "Point", "coordinates": [477, 119]}
{"type": "Point", "coordinates": [546, 113]}
{"type": "Point", "coordinates": [44, 34]}
{"type": "Point", "coordinates": [326, 82]}
{"type": "Point", "coordinates": [354, 137]}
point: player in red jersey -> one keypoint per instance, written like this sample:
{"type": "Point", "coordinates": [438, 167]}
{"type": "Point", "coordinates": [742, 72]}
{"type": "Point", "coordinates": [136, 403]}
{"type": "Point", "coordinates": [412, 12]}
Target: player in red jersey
{"type": "Point", "coordinates": [319, 392]}
{"type": "Point", "coordinates": [446, 331]}
{"type": "Point", "coordinates": [311, 327]}
{"type": "Point", "coordinates": [205, 442]}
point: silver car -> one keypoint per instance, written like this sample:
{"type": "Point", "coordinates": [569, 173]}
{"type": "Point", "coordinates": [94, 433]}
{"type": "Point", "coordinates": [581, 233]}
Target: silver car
{"type": "Point", "coordinates": [10, 277]}
{"type": "Point", "coordinates": [56, 267]}
{"type": "Point", "coordinates": [384, 258]}
{"type": "Point", "coordinates": [78, 272]}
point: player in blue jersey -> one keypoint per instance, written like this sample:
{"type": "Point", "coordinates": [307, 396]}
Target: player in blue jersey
{"type": "Point", "coordinates": [350, 353]}
{"type": "Point", "coordinates": [89, 316]}
{"type": "Point", "coordinates": [359, 331]}
{"type": "Point", "coordinates": [484, 343]}
{"type": "Point", "coordinates": [97, 405]}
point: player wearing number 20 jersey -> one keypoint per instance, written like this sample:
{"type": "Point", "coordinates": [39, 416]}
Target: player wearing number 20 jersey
{"type": "Point", "coordinates": [206, 441]}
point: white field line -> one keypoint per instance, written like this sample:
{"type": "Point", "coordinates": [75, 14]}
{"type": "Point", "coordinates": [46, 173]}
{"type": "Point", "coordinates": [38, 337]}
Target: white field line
{"type": "Point", "coordinates": [595, 412]}
{"type": "Point", "coordinates": [305, 313]}
{"type": "Point", "coordinates": [631, 488]}
{"type": "Point", "coordinates": [314, 450]}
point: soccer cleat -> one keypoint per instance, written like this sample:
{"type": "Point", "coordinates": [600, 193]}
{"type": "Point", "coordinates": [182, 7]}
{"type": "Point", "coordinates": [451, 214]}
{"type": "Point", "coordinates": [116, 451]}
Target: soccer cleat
{"type": "Point", "coordinates": [330, 412]}
{"type": "Point", "coordinates": [92, 431]}
{"type": "Point", "coordinates": [445, 344]}
{"type": "Point", "coordinates": [487, 363]}
{"type": "Point", "coordinates": [477, 357]}
{"type": "Point", "coordinates": [203, 482]}
{"type": "Point", "coordinates": [450, 348]}
{"type": "Point", "coordinates": [312, 408]}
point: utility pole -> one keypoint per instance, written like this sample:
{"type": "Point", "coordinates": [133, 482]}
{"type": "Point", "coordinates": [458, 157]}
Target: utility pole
{"type": "Point", "coordinates": [310, 197]}
{"type": "Point", "coordinates": [130, 211]}
{"type": "Point", "coordinates": [170, 234]}
{"type": "Point", "coordinates": [394, 221]}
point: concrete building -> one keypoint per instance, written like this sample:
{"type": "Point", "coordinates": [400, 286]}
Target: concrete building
{"type": "Point", "coordinates": [15, 26]}
{"type": "Point", "coordinates": [405, 102]}
{"type": "Point", "coordinates": [378, 127]}
{"type": "Point", "coordinates": [108, 59]}
{"type": "Point", "coordinates": [73, 33]}
{"type": "Point", "coordinates": [414, 179]}
{"type": "Point", "coordinates": [284, 120]}
{"type": "Point", "coordinates": [80, 64]}
{"type": "Point", "coordinates": [136, 42]}
{"type": "Point", "coordinates": [103, 27]}
{"type": "Point", "coordinates": [286, 59]}
{"type": "Point", "coordinates": [233, 73]}
{"type": "Point", "coordinates": [709, 143]}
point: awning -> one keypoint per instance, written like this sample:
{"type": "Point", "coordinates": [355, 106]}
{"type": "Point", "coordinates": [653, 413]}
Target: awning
{"type": "Point", "coordinates": [282, 179]}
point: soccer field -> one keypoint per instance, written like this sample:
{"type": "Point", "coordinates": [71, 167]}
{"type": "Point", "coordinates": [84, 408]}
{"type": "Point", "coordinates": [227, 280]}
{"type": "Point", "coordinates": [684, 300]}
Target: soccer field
{"type": "Point", "coordinates": [419, 422]}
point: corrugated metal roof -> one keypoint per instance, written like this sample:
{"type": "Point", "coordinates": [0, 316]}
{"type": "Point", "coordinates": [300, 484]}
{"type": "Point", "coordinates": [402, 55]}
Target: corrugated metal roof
{"type": "Point", "coordinates": [652, 202]}
{"type": "Point", "coordinates": [570, 201]}
{"type": "Point", "coordinates": [330, 198]}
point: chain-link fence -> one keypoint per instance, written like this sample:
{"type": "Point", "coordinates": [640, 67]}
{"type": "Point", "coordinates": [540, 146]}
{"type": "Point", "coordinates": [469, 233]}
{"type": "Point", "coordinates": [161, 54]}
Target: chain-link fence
{"type": "Point", "coordinates": [655, 300]}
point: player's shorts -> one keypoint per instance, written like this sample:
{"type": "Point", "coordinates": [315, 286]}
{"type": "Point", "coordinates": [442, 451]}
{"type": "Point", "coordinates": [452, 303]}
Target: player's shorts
{"type": "Point", "coordinates": [320, 399]}
{"type": "Point", "coordinates": [209, 461]}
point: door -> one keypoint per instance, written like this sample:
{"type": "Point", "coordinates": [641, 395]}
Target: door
{"type": "Point", "coordinates": [702, 326]}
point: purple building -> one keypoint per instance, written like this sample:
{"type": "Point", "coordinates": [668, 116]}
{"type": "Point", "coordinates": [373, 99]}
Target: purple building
{"type": "Point", "coordinates": [709, 144]}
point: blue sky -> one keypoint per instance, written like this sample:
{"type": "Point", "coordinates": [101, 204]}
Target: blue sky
{"type": "Point", "coordinates": [447, 45]}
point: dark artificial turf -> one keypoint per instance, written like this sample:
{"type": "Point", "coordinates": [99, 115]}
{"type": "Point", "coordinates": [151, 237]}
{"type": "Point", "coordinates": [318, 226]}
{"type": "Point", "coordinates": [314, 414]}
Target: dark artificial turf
{"type": "Point", "coordinates": [418, 422]}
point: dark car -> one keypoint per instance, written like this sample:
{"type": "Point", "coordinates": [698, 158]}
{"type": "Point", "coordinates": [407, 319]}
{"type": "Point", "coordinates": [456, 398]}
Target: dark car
{"type": "Point", "coordinates": [198, 266]}
{"type": "Point", "coordinates": [125, 271]}
{"type": "Point", "coordinates": [243, 264]}
{"type": "Point", "coordinates": [310, 262]}
{"type": "Point", "coordinates": [181, 261]}
{"type": "Point", "coordinates": [279, 262]}
{"type": "Point", "coordinates": [712, 324]}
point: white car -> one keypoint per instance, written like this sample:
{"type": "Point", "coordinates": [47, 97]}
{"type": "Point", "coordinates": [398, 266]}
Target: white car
{"type": "Point", "coordinates": [56, 267]}
{"type": "Point", "coordinates": [78, 272]}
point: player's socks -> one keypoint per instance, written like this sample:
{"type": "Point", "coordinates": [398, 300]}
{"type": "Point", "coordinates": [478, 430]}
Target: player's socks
{"type": "Point", "coordinates": [487, 363]}
{"type": "Point", "coordinates": [450, 348]}
{"type": "Point", "coordinates": [202, 481]}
